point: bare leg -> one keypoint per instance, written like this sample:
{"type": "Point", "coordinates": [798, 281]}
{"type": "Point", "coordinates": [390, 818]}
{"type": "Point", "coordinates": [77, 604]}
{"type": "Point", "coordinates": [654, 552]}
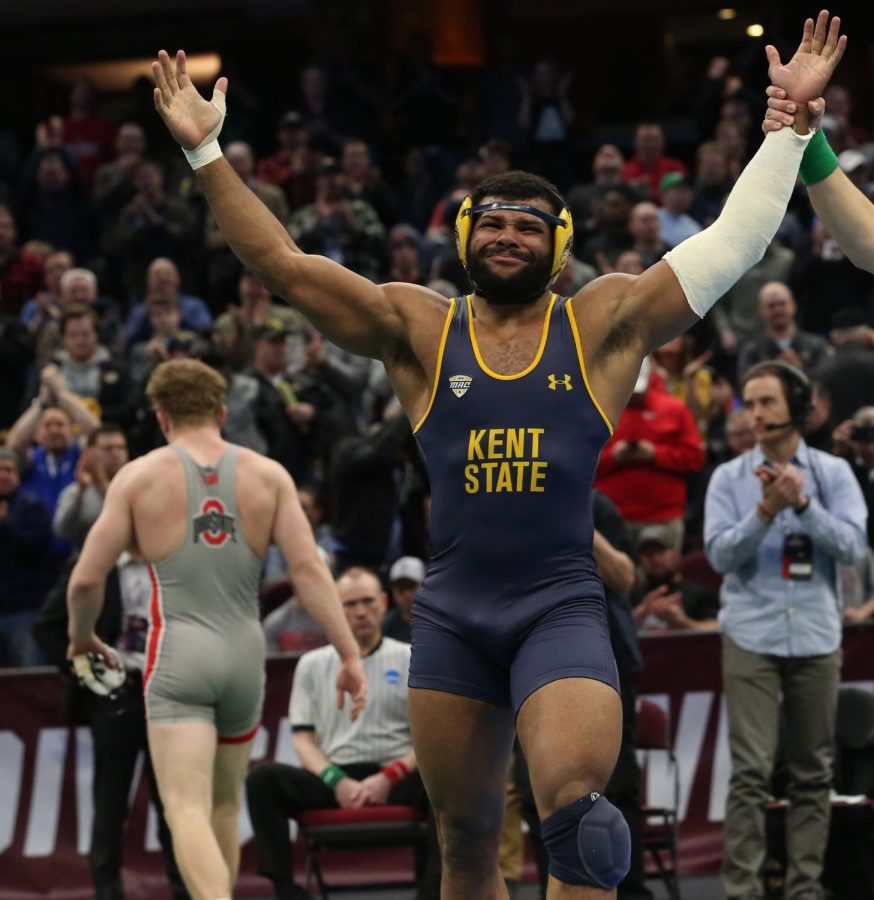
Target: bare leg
{"type": "Point", "coordinates": [183, 756]}
{"type": "Point", "coordinates": [463, 751]}
{"type": "Point", "coordinates": [570, 732]}
{"type": "Point", "coordinates": [231, 762]}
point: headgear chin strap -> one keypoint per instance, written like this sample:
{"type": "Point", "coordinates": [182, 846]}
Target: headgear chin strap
{"type": "Point", "coordinates": [562, 228]}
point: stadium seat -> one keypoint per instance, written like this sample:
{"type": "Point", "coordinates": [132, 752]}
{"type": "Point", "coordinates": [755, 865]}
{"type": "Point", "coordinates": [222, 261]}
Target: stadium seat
{"type": "Point", "coordinates": [325, 830]}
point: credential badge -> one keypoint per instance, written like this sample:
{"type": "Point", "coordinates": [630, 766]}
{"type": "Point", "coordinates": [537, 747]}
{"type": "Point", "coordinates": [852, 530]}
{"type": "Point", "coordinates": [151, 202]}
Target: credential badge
{"type": "Point", "coordinates": [460, 384]}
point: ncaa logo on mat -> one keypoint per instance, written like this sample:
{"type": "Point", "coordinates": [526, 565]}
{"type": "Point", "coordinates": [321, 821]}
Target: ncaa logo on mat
{"type": "Point", "coordinates": [460, 384]}
{"type": "Point", "coordinates": [214, 524]}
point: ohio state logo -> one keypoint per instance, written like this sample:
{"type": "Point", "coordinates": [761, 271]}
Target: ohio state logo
{"type": "Point", "coordinates": [214, 524]}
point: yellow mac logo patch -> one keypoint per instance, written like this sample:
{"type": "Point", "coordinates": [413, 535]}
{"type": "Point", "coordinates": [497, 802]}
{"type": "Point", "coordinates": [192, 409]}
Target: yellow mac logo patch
{"type": "Point", "coordinates": [564, 382]}
{"type": "Point", "coordinates": [460, 384]}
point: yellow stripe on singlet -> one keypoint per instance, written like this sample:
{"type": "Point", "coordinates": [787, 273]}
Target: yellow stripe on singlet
{"type": "Point", "coordinates": [540, 349]}
{"type": "Point", "coordinates": [440, 350]}
{"type": "Point", "coordinates": [576, 334]}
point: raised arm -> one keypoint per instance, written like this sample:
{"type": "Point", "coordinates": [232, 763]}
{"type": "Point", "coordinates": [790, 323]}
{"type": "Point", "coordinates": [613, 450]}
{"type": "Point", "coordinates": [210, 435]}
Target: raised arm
{"type": "Point", "coordinates": [350, 310]}
{"type": "Point", "coordinates": [669, 297]}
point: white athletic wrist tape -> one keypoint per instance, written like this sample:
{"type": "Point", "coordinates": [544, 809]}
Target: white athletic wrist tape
{"type": "Point", "coordinates": [710, 262]}
{"type": "Point", "coordinates": [203, 153]}
{"type": "Point", "coordinates": [208, 149]}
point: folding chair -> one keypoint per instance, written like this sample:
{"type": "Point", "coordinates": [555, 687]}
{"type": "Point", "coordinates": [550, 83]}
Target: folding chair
{"type": "Point", "coordinates": [325, 830]}
{"type": "Point", "coordinates": [660, 822]}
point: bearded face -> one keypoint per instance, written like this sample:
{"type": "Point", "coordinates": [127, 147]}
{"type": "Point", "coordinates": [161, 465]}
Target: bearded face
{"type": "Point", "coordinates": [518, 287]}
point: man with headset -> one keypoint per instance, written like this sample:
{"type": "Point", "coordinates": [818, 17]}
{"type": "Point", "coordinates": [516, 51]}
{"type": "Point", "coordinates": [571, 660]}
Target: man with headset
{"type": "Point", "coordinates": [778, 521]}
{"type": "Point", "coordinates": [512, 391]}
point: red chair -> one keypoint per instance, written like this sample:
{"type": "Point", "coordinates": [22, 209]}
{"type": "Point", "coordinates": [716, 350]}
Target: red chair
{"type": "Point", "coordinates": [325, 830]}
{"type": "Point", "coordinates": [660, 822]}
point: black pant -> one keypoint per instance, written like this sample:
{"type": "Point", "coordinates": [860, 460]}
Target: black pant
{"type": "Point", "coordinates": [119, 733]}
{"type": "Point", "coordinates": [276, 792]}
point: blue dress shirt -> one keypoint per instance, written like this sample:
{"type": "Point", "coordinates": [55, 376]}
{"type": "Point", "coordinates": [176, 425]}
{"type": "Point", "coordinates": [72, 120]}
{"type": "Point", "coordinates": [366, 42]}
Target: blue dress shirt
{"type": "Point", "coordinates": [761, 611]}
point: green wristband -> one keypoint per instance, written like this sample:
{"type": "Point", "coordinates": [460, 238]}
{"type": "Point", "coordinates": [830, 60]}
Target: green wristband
{"type": "Point", "coordinates": [819, 160]}
{"type": "Point", "coordinates": [332, 775]}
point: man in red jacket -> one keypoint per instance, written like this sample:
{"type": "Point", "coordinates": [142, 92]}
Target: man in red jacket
{"type": "Point", "coordinates": [644, 466]}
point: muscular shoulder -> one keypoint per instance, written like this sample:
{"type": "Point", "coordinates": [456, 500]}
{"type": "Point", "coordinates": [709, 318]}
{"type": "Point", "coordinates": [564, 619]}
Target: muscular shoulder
{"type": "Point", "coordinates": [146, 471]}
{"type": "Point", "coordinates": [596, 307]}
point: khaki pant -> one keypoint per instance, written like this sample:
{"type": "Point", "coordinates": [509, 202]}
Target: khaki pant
{"type": "Point", "coordinates": [757, 688]}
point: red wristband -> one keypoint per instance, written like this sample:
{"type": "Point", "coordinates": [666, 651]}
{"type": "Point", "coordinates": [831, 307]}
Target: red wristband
{"type": "Point", "coordinates": [396, 771]}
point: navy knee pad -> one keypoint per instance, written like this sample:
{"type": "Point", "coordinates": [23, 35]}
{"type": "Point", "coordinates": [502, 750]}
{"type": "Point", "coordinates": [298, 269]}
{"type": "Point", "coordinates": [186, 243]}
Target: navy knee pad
{"type": "Point", "coordinates": [588, 843]}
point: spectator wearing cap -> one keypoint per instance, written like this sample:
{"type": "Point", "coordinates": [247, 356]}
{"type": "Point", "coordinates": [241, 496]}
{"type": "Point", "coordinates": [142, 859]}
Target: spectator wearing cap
{"type": "Point", "coordinates": [282, 416]}
{"type": "Point", "coordinates": [663, 599]}
{"type": "Point", "coordinates": [404, 578]}
{"type": "Point", "coordinates": [649, 164]}
{"type": "Point", "coordinates": [782, 339]}
{"type": "Point", "coordinates": [22, 274]}
{"type": "Point", "coordinates": [163, 279]}
{"type": "Point", "coordinates": [293, 166]}
{"type": "Point", "coordinates": [678, 192]}
{"type": "Point", "coordinates": [234, 330]}
{"type": "Point", "coordinates": [645, 466]}
{"type": "Point", "coordinates": [347, 231]}
{"type": "Point", "coordinates": [25, 530]}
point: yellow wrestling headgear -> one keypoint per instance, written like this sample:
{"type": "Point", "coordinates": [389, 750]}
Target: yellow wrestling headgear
{"type": "Point", "coordinates": [562, 233]}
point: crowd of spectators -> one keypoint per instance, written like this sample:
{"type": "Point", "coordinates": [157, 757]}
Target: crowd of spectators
{"type": "Point", "coordinates": [110, 262]}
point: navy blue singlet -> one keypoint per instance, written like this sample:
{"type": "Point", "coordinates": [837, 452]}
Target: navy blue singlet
{"type": "Point", "coordinates": [511, 459]}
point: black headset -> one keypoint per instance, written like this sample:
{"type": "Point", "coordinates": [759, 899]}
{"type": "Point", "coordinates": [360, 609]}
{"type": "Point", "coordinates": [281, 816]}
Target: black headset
{"type": "Point", "coordinates": [799, 390]}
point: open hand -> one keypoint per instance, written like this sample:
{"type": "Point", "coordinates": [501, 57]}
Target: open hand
{"type": "Point", "coordinates": [190, 118]}
{"type": "Point", "coordinates": [805, 76]}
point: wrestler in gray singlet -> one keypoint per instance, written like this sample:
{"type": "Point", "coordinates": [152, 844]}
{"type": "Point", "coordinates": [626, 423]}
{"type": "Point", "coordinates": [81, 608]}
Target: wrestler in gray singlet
{"type": "Point", "coordinates": [205, 650]}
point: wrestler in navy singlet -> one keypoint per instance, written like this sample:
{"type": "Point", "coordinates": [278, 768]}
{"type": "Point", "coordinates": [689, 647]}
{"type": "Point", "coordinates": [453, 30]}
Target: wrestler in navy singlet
{"type": "Point", "coordinates": [512, 599]}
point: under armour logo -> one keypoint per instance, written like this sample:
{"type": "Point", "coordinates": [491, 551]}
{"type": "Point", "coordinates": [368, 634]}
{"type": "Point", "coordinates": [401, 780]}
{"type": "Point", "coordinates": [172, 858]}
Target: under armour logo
{"type": "Point", "coordinates": [564, 382]}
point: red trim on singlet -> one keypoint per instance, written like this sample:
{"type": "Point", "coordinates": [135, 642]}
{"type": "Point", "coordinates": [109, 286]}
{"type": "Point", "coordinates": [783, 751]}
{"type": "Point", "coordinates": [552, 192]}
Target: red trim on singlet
{"type": "Point", "coordinates": [240, 738]}
{"type": "Point", "coordinates": [157, 628]}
